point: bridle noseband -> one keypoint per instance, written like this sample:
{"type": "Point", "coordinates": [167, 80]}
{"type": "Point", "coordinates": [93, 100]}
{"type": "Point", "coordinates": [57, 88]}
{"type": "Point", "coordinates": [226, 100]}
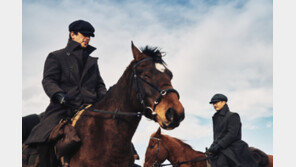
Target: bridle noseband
{"type": "Point", "coordinates": [155, 163]}
{"type": "Point", "coordinates": [147, 110]}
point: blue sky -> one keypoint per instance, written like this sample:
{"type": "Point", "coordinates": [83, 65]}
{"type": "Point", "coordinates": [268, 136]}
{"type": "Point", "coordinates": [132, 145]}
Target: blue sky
{"type": "Point", "coordinates": [211, 47]}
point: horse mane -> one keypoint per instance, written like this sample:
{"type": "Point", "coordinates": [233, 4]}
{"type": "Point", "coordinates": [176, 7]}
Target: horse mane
{"type": "Point", "coordinates": [185, 145]}
{"type": "Point", "coordinates": [155, 53]}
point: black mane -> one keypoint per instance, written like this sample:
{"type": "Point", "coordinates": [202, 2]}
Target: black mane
{"type": "Point", "coordinates": [155, 53]}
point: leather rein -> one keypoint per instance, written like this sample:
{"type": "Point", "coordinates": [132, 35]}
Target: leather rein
{"type": "Point", "coordinates": [156, 164]}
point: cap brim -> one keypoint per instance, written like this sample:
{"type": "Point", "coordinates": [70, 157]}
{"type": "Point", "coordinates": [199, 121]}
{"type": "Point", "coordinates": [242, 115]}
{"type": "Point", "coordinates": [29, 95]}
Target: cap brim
{"type": "Point", "coordinates": [88, 34]}
{"type": "Point", "coordinates": [212, 102]}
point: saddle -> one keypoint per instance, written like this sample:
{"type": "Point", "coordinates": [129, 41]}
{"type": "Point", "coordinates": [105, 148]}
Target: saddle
{"type": "Point", "coordinates": [63, 138]}
{"type": "Point", "coordinates": [260, 157]}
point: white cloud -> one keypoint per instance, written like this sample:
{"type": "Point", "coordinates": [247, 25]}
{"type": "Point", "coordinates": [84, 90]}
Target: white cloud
{"type": "Point", "coordinates": [250, 127]}
{"type": "Point", "coordinates": [253, 103]}
{"type": "Point", "coordinates": [269, 124]}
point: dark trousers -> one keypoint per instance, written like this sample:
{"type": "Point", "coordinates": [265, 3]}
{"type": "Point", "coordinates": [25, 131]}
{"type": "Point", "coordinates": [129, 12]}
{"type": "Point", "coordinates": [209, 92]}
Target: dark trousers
{"type": "Point", "coordinates": [46, 155]}
{"type": "Point", "coordinates": [222, 161]}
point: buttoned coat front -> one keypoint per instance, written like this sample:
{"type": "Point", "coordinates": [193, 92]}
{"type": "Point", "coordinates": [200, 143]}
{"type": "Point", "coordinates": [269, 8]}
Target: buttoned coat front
{"type": "Point", "coordinates": [227, 134]}
{"type": "Point", "coordinates": [64, 71]}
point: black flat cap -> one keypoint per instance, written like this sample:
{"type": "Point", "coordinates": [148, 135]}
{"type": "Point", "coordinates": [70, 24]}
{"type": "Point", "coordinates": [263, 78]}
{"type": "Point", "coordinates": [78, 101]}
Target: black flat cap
{"type": "Point", "coordinates": [84, 27]}
{"type": "Point", "coordinates": [218, 97]}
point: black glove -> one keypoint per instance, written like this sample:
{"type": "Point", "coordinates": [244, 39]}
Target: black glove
{"type": "Point", "coordinates": [60, 98]}
{"type": "Point", "coordinates": [215, 148]}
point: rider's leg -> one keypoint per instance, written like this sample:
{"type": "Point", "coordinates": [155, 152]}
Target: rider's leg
{"type": "Point", "coordinates": [43, 150]}
{"type": "Point", "coordinates": [220, 161]}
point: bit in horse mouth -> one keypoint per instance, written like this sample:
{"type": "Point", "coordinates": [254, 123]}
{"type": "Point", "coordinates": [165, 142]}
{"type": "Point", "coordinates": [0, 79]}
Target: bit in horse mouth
{"type": "Point", "coordinates": [166, 125]}
{"type": "Point", "coordinates": [169, 125]}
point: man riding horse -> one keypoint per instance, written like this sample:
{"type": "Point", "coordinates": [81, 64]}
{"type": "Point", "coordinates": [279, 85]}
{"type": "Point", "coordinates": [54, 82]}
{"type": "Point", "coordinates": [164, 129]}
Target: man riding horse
{"type": "Point", "coordinates": [71, 79]}
{"type": "Point", "coordinates": [228, 148]}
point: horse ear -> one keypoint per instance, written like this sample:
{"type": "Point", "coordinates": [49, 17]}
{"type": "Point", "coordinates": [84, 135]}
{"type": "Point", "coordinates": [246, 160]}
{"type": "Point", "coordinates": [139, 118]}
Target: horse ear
{"type": "Point", "coordinates": [158, 132]}
{"type": "Point", "coordinates": [136, 53]}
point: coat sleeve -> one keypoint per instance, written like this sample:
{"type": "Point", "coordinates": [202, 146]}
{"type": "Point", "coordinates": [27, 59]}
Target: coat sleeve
{"type": "Point", "coordinates": [134, 150]}
{"type": "Point", "coordinates": [51, 76]}
{"type": "Point", "coordinates": [233, 128]}
{"type": "Point", "coordinates": [100, 87]}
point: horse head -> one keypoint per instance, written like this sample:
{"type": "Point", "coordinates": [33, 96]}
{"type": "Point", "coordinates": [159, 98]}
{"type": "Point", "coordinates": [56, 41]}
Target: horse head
{"type": "Point", "coordinates": [151, 83]}
{"type": "Point", "coordinates": [164, 147]}
{"type": "Point", "coordinates": [157, 151]}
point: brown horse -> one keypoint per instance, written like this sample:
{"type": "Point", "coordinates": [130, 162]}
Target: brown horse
{"type": "Point", "coordinates": [144, 88]}
{"type": "Point", "coordinates": [163, 147]}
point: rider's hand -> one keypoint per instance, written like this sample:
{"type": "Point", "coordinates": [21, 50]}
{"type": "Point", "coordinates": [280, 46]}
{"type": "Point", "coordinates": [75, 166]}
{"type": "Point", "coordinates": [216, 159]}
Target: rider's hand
{"type": "Point", "coordinates": [60, 98]}
{"type": "Point", "coordinates": [214, 148]}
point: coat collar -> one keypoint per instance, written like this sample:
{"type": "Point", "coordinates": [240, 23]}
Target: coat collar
{"type": "Point", "coordinates": [89, 63]}
{"type": "Point", "coordinates": [72, 45]}
{"type": "Point", "coordinates": [223, 111]}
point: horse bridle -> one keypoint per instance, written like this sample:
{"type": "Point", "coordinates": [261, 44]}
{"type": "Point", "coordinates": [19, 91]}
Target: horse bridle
{"type": "Point", "coordinates": [134, 77]}
{"type": "Point", "coordinates": [155, 163]}
{"type": "Point", "coordinates": [139, 95]}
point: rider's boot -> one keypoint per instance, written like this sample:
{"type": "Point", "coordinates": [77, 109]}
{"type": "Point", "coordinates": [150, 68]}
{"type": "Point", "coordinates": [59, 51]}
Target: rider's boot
{"type": "Point", "coordinates": [67, 145]}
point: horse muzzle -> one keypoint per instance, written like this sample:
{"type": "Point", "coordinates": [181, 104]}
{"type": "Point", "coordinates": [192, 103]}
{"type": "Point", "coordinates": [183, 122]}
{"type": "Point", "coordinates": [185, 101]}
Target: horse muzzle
{"type": "Point", "coordinates": [173, 119]}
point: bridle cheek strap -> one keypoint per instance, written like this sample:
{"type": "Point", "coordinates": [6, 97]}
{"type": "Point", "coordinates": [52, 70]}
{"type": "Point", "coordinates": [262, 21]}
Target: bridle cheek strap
{"type": "Point", "coordinates": [156, 164]}
{"type": "Point", "coordinates": [148, 111]}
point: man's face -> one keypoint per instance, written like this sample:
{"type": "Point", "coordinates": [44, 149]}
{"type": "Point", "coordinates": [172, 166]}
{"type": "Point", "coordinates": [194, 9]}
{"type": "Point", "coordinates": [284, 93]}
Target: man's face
{"type": "Point", "coordinates": [83, 40]}
{"type": "Point", "coordinates": [219, 105]}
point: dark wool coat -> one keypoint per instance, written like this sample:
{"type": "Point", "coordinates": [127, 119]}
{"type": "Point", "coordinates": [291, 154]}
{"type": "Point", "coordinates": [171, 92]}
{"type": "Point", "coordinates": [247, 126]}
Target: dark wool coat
{"type": "Point", "coordinates": [72, 71]}
{"type": "Point", "coordinates": [227, 134]}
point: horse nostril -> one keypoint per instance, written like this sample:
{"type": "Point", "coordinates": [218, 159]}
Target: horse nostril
{"type": "Point", "coordinates": [170, 114]}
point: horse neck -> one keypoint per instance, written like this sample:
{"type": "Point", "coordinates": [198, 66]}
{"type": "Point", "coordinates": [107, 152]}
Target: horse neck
{"type": "Point", "coordinates": [111, 136]}
{"type": "Point", "coordinates": [122, 98]}
{"type": "Point", "coordinates": [179, 151]}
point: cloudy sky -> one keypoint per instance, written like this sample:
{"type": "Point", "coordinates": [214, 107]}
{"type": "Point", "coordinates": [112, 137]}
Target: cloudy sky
{"type": "Point", "coordinates": [212, 46]}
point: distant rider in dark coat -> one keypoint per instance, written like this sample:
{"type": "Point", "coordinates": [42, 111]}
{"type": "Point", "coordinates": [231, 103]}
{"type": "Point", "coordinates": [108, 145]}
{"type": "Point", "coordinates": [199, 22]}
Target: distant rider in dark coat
{"type": "Point", "coordinates": [228, 148]}
{"type": "Point", "coordinates": [71, 78]}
